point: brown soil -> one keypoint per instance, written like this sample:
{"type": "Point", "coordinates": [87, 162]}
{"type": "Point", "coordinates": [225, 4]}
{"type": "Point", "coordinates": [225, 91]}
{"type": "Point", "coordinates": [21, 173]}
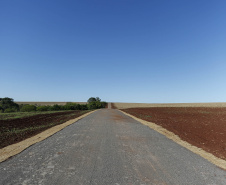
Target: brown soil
{"type": "Point", "coordinates": [113, 106]}
{"type": "Point", "coordinates": [201, 126]}
{"type": "Point", "coordinates": [142, 105]}
{"type": "Point", "coordinates": [15, 130]}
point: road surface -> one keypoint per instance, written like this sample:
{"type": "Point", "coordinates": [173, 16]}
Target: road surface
{"type": "Point", "coordinates": [106, 148]}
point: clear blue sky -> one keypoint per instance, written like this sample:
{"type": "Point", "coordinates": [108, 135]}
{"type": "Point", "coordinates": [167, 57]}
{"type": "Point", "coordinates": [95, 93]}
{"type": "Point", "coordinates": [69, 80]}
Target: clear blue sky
{"type": "Point", "coordinates": [151, 51]}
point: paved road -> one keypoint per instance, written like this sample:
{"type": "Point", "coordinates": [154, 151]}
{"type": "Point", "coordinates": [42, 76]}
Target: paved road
{"type": "Point", "coordinates": [107, 148]}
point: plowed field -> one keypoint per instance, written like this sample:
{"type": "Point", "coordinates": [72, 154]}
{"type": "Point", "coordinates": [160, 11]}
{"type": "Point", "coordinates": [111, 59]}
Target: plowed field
{"type": "Point", "coordinates": [15, 130]}
{"type": "Point", "coordinates": [200, 126]}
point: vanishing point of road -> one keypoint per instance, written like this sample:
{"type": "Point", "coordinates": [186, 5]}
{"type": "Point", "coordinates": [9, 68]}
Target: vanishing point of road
{"type": "Point", "coordinates": [106, 148]}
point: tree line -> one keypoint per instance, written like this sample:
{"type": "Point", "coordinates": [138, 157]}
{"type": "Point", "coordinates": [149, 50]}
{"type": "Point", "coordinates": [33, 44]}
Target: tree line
{"type": "Point", "coordinates": [8, 105]}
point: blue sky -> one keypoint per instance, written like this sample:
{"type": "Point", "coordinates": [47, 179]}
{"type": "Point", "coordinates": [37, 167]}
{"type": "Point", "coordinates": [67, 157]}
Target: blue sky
{"type": "Point", "coordinates": [151, 51]}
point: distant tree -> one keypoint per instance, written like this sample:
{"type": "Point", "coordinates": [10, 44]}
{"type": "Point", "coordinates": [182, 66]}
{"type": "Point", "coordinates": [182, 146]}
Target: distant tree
{"type": "Point", "coordinates": [98, 99]}
{"type": "Point", "coordinates": [8, 103]}
{"type": "Point", "coordinates": [92, 99]}
{"type": "Point", "coordinates": [94, 105]}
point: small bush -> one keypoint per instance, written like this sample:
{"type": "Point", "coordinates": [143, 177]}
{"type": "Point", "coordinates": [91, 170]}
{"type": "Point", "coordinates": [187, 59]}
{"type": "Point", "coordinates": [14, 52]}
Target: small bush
{"type": "Point", "coordinates": [83, 107]}
{"type": "Point", "coordinates": [77, 106]}
{"type": "Point", "coordinates": [10, 110]}
{"type": "Point", "coordinates": [43, 108]}
{"type": "Point", "coordinates": [20, 106]}
{"type": "Point", "coordinates": [71, 106]}
{"type": "Point", "coordinates": [1, 109]}
{"type": "Point", "coordinates": [56, 107]}
{"type": "Point", "coordinates": [74, 106]}
{"type": "Point", "coordinates": [67, 107]}
{"type": "Point", "coordinates": [103, 104]}
{"type": "Point", "coordinates": [28, 108]}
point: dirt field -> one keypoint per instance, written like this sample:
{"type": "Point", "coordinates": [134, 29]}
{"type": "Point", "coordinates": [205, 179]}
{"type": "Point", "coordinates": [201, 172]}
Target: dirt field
{"type": "Point", "coordinates": [47, 103]}
{"type": "Point", "coordinates": [15, 130]}
{"type": "Point", "coordinates": [15, 115]}
{"type": "Point", "coordinates": [204, 127]}
{"type": "Point", "coordinates": [135, 105]}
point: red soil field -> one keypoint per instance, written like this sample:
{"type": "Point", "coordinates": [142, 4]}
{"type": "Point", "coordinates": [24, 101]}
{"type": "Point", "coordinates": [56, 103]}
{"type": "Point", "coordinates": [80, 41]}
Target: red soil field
{"type": "Point", "coordinates": [200, 126]}
{"type": "Point", "coordinates": [15, 130]}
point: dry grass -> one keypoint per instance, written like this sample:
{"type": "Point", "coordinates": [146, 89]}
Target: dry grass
{"type": "Point", "coordinates": [135, 105]}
